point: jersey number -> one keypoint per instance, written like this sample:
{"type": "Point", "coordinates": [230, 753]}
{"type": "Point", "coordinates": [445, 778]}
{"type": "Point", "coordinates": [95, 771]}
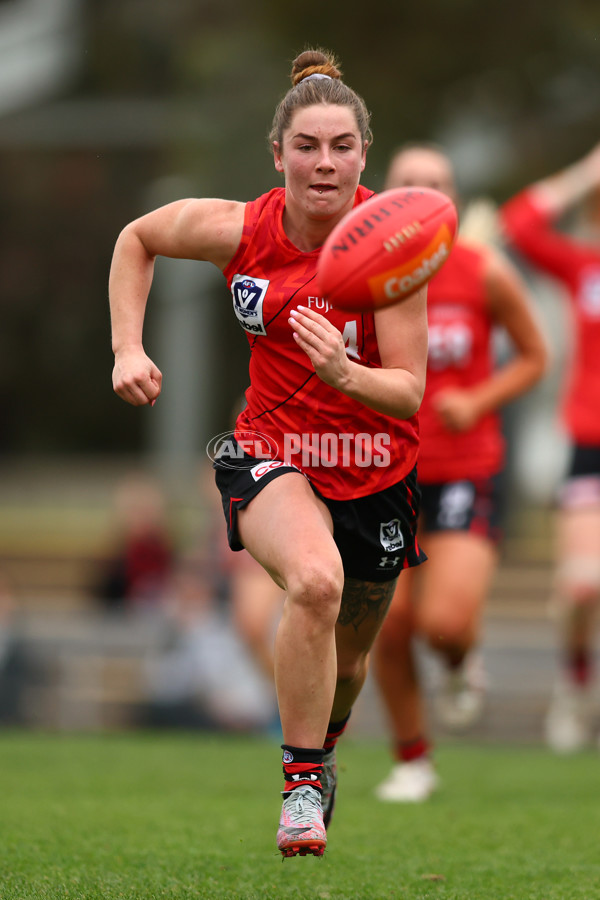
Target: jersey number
{"type": "Point", "coordinates": [350, 338]}
{"type": "Point", "coordinates": [449, 346]}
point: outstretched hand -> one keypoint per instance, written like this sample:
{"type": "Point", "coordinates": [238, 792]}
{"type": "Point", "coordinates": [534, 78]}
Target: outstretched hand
{"type": "Point", "coordinates": [135, 377]}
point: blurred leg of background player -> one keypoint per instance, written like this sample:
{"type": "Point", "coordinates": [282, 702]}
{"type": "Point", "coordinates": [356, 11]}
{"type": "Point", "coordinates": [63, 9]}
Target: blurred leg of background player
{"type": "Point", "coordinates": [460, 458]}
{"type": "Point", "coordinates": [442, 603]}
{"type": "Point", "coordinates": [569, 719]}
{"type": "Point", "coordinates": [534, 221]}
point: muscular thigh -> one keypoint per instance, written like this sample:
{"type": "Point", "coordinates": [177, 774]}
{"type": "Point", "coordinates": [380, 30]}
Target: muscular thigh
{"type": "Point", "coordinates": [578, 532]}
{"type": "Point", "coordinates": [457, 577]}
{"type": "Point", "coordinates": [399, 623]}
{"type": "Point", "coordinates": [286, 526]}
{"type": "Point", "coordinates": [578, 526]}
{"type": "Point", "coordinates": [578, 546]}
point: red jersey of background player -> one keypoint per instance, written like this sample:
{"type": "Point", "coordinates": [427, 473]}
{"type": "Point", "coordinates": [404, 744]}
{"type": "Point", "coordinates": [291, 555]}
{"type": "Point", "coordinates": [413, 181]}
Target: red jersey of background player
{"type": "Point", "coordinates": [346, 449]}
{"type": "Point", "coordinates": [531, 230]}
{"type": "Point", "coordinates": [460, 356]}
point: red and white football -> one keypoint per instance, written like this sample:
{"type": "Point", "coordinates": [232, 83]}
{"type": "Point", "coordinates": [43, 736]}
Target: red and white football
{"type": "Point", "coordinates": [386, 248]}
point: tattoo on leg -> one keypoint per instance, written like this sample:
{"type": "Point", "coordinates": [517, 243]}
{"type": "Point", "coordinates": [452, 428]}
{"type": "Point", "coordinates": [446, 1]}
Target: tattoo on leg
{"type": "Point", "coordinates": [362, 600]}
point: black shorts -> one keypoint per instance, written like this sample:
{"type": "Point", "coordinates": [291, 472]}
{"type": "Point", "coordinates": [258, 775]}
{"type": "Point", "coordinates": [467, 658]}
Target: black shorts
{"type": "Point", "coordinates": [585, 460]}
{"type": "Point", "coordinates": [376, 535]}
{"type": "Point", "coordinates": [581, 487]}
{"type": "Point", "coordinates": [473, 506]}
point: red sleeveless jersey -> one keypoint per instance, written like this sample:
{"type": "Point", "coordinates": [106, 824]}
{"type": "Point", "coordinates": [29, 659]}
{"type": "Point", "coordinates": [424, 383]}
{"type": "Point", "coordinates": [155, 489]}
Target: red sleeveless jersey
{"type": "Point", "coordinates": [346, 449]}
{"type": "Point", "coordinates": [532, 231]}
{"type": "Point", "coordinates": [460, 356]}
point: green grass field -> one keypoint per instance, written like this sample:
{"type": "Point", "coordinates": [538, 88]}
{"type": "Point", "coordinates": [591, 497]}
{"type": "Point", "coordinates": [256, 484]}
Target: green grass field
{"type": "Point", "coordinates": [185, 816]}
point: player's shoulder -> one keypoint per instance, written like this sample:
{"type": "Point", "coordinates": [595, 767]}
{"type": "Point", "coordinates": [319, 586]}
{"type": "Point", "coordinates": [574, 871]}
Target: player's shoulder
{"type": "Point", "coordinates": [212, 227]}
{"type": "Point", "coordinates": [219, 212]}
{"type": "Point", "coordinates": [267, 207]}
{"type": "Point", "coordinates": [468, 258]}
{"type": "Point", "coordinates": [480, 256]}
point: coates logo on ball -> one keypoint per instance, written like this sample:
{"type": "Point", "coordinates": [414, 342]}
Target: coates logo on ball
{"type": "Point", "coordinates": [386, 248]}
{"type": "Point", "coordinates": [402, 280]}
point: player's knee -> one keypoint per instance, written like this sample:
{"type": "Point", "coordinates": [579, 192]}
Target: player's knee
{"type": "Point", "coordinates": [578, 593]}
{"type": "Point", "coordinates": [578, 582]}
{"type": "Point", "coordinates": [442, 632]}
{"type": "Point", "coordinates": [317, 587]}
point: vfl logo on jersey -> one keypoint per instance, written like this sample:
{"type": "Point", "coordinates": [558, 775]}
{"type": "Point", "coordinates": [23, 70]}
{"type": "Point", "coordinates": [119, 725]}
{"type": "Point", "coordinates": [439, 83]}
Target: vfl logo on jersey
{"type": "Point", "coordinates": [248, 295]}
{"type": "Point", "coordinates": [390, 535]}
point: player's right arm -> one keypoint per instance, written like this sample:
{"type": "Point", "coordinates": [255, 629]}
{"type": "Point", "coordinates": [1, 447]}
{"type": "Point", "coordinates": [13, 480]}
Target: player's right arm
{"type": "Point", "coordinates": [208, 230]}
{"type": "Point", "coordinates": [528, 218]}
{"type": "Point", "coordinates": [557, 193]}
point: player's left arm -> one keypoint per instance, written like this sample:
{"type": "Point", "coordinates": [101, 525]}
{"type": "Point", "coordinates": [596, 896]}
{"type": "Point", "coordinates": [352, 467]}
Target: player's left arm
{"type": "Point", "coordinates": [396, 388]}
{"type": "Point", "coordinates": [509, 306]}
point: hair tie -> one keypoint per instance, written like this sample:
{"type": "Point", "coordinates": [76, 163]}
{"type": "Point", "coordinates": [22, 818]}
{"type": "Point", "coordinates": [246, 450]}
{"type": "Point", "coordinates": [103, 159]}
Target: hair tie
{"type": "Point", "coordinates": [317, 75]}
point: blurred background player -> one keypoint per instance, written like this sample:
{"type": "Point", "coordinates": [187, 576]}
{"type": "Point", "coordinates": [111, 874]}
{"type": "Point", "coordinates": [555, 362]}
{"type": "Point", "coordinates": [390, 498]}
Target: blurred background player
{"type": "Point", "coordinates": [460, 461]}
{"type": "Point", "coordinates": [138, 573]}
{"type": "Point", "coordinates": [530, 222]}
